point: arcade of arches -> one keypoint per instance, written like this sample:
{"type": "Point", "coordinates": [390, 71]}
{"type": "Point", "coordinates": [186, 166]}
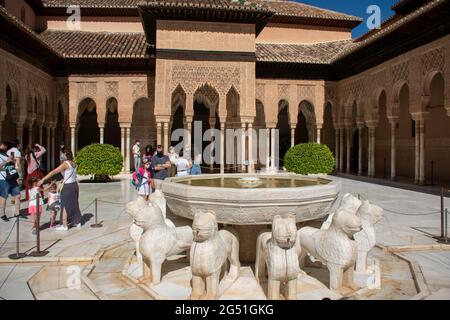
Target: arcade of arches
{"type": "Point", "coordinates": [393, 130]}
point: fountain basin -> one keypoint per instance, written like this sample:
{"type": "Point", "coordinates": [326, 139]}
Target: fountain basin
{"type": "Point", "coordinates": [234, 204]}
{"type": "Point", "coordinates": [246, 204]}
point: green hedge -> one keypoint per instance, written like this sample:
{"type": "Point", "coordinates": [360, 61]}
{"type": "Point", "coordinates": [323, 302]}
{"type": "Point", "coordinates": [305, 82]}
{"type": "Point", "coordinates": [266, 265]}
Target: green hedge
{"type": "Point", "coordinates": [309, 158]}
{"type": "Point", "coordinates": [99, 160]}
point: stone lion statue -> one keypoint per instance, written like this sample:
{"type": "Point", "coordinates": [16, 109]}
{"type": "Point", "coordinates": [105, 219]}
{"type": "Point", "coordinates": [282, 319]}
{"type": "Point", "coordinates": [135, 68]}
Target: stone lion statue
{"type": "Point", "coordinates": [209, 254]}
{"type": "Point", "coordinates": [159, 239]}
{"type": "Point", "coordinates": [279, 250]}
{"type": "Point", "coordinates": [334, 247]}
{"type": "Point", "coordinates": [365, 239]}
{"type": "Point", "coordinates": [158, 198]}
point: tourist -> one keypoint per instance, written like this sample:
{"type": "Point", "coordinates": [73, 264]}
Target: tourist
{"type": "Point", "coordinates": [183, 165]}
{"type": "Point", "coordinates": [173, 156]}
{"type": "Point", "coordinates": [53, 203]}
{"type": "Point", "coordinates": [15, 153]}
{"type": "Point", "coordinates": [149, 153]}
{"type": "Point", "coordinates": [62, 154]}
{"type": "Point", "coordinates": [35, 192]}
{"type": "Point", "coordinates": [160, 164]}
{"type": "Point", "coordinates": [136, 150]}
{"type": "Point", "coordinates": [33, 156]}
{"type": "Point", "coordinates": [196, 169]}
{"type": "Point", "coordinates": [143, 180]}
{"type": "Point", "coordinates": [8, 182]}
{"type": "Point", "coordinates": [69, 193]}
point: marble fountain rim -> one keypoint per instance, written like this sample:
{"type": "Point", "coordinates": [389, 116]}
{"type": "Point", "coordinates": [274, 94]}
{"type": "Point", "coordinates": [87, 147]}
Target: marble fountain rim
{"type": "Point", "coordinates": [247, 196]}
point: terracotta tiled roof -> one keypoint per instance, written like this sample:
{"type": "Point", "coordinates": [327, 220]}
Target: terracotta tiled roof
{"type": "Point", "coordinates": [91, 3]}
{"type": "Point", "coordinates": [298, 9]}
{"type": "Point", "coordinates": [318, 53]}
{"type": "Point", "coordinates": [80, 44]}
{"type": "Point", "coordinates": [17, 23]}
{"type": "Point", "coordinates": [281, 9]}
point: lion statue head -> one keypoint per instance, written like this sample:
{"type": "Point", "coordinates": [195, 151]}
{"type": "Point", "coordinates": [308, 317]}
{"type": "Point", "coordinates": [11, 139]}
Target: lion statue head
{"type": "Point", "coordinates": [284, 231]}
{"type": "Point", "coordinates": [347, 222]}
{"type": "Point", "coordinates": [370, 212]}
{"type": "Point", "coordinates": [145, 215]}
{"type": "Point", "coordinates": [204, 226]}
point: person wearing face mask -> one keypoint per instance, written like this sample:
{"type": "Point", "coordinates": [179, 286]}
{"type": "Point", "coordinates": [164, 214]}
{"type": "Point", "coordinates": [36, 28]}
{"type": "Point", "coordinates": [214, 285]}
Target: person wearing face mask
{"type": "Point", "coordinates": [160, 165]}
{"type": "Point", "coordinates": [8, 184]}
{"type": "Point", "coordinates": [137, 155]}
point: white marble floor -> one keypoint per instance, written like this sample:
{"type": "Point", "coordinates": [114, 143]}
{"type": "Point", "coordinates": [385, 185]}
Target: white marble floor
{"type": "Point", "coordinates": [410, 219]}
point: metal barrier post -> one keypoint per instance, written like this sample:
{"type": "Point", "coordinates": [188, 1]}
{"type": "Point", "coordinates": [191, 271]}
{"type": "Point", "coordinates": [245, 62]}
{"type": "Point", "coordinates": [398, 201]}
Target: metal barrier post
{"type": "Point", "coordinates": [442, 212]}
{"type": "Point", "coordinates": [96, 224]}
{"type": "Point", "coordinates": [446, 226]}
{"type": "Point", "coordinates": [38, 252]}
{"type": "Point", "coordinates": [17, 255]}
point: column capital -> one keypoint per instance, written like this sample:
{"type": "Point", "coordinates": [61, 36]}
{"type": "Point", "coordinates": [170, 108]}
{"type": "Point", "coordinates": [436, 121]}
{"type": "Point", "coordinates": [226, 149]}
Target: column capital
{"type": "Point", "coordinates": [125, 125]}
{"type": "Point", "coordinates": [163, 119]}
{"type": "Point", "coordinates": [419, 116]}
{"type": "Point", "coordinates": [371, 124]}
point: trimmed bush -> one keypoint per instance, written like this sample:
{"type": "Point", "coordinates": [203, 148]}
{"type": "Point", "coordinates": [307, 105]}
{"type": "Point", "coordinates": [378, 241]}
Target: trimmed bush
{"type": "Point", "coordinates": [99, 160]}
{"type": "Point", "coordinates": [309, 158]}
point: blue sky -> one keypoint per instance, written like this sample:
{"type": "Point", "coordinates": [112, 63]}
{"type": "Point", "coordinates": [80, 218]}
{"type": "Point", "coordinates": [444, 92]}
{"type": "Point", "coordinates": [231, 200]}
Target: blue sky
{"type": "Point", "coordinates": [356, 8]}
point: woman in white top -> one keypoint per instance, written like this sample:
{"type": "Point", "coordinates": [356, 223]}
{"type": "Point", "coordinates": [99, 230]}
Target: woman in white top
{"type": "Point", "coordinates": [183, 165]}
{"type": "Point", "coordinates": [69, 193]}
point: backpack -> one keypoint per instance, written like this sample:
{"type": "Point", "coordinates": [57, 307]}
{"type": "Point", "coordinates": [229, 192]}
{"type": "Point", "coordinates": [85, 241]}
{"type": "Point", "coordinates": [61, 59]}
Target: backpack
{"type": "Point", "coordinates": [11, 173]}
{"type": "Point", "coordinates": [137, 180]}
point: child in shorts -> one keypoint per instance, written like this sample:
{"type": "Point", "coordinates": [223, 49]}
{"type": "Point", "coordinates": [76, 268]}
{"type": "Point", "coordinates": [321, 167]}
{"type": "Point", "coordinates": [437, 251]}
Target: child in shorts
{"type": "Point", "coordinates": [53, 203]}
{"type": "Point", "coordinates": [34, 192]}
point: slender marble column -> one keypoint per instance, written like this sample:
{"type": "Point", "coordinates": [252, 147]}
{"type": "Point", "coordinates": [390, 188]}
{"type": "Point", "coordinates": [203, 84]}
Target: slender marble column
{"type": "Point", "coordinates": [30, 134]}
{"type": "Point", "coordinates": [122, 146]}
{"type": "Point", "coordinates": [349, 144]}
{"type": "Point", "coordinates": [250, 148]}
{"type": "Point", "coordinates": [393, 150]}
{"type": "Point", "coordinates": [49, 148]}
{"type": "Point", "coordinates": [243, 147]}
{"type": "Point", "coordinates": [166, 137]}
{"type": "Point", "coordinates": [72, 138]}
{"type": "Point", "coordinates": [267, 147]}
{"type": "Point", "coordinates": [360, 150]}
{"type": "Point", "coordinates": [188, 143]}
{"type": "Point", "coordinates": [371, 151]}
{"type": "Point", "coordinates": [19, 132]}
{"type": "Point", "coordinates": [222, 147]}
{"type": "Point", "coordinates": [292, 136]}
{"type": "Point", "coordinates": [53, 155]}
{"type": "Point", "coordinates": [417, 153]}
{"type": "Point", "coordinates": [128, 138]}
{"type": "Point", "coordinates": [158, 133]}
{"type": "Point", "coordinates": [41, 131]}
{"type": "Point", "coordinates": [422, 152]}
{"type": "Point", "coordinates": [341, 150]}
{"type": "Point", "coordinates": [272, 148]}
{"type": "Point", "coordinates": [336, 149]}
{"type": "Point", "coordinates": [318, 135]}
{"type": "Point", "coordinates": [102, 134]}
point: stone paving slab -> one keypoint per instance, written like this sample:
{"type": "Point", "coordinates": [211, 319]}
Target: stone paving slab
{"type": "Point", "coordinates": [408, 220]}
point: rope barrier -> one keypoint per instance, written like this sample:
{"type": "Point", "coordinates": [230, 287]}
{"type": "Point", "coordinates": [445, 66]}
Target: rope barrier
{"type": "Point", "coordinates": [9, 235]}
{"type": "Point", "coordinates": [403, 213]}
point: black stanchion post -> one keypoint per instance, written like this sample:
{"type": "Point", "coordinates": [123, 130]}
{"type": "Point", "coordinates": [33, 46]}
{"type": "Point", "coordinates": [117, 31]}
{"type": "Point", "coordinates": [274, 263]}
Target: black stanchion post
{"type": "Point", "coordinates": [442, 212]}
{"type": "Point", "coordinates": [17, 255]}
{"type": "Point", "coordinates": [446, 226]}
{"type": "Point", "coordinates": [38, 252]}
{"type": "Point", "coordinates": [96, 224]}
